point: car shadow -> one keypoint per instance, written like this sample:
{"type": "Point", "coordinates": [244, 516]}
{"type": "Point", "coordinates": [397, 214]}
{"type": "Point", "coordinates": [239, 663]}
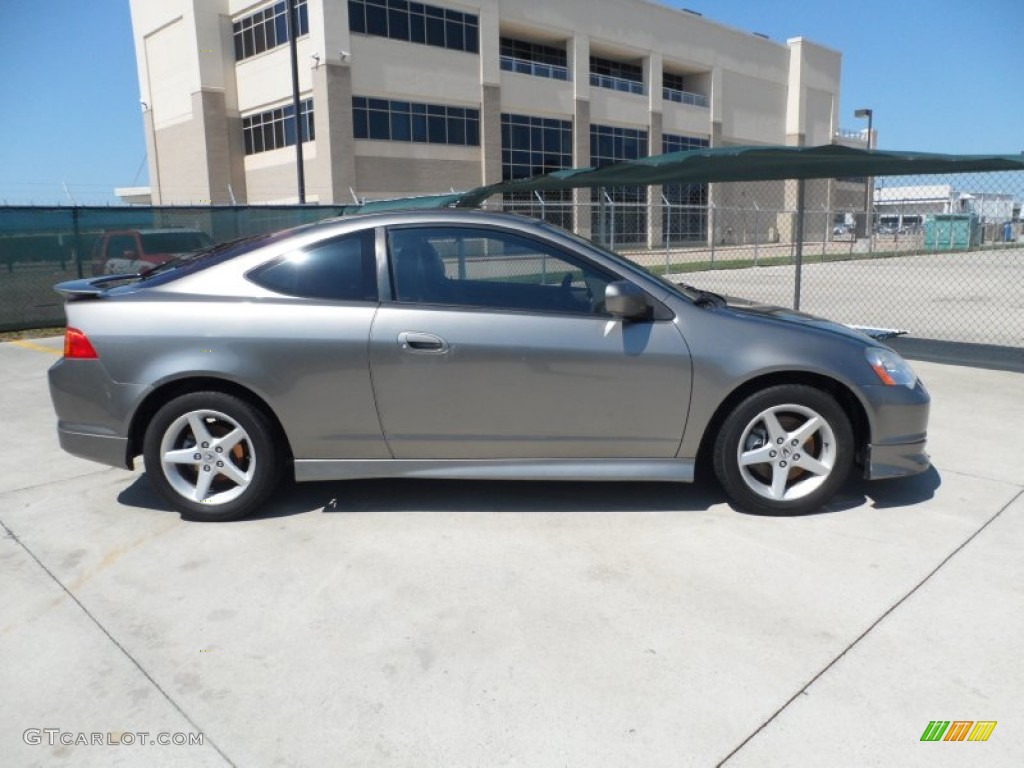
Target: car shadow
{"type": "Point", "coordinates": [902, 492]}
{"type": "Point", "coordinates": [879, 494]}
{"type": "Point", "coordinates": [406, 495]}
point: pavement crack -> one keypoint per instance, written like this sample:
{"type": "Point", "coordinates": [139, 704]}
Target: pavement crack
{"type": "Point", "coordinates": [866, 632]}
{"type": "Point", "coordinates": [8, 533]}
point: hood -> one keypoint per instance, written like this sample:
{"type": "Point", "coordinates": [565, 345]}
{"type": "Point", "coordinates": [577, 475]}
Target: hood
{"type": "Point", "coordinates": [793, 317]}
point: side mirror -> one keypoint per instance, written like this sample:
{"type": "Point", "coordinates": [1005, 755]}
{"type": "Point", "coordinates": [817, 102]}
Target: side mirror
{"type": "Point", "coordinates": [625, 300]}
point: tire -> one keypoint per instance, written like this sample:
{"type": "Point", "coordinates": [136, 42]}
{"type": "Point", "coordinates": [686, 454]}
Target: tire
{"type": "Point", "coordinates": [193, 436]}
{"type": "Point", "coordinates": [785, 450]}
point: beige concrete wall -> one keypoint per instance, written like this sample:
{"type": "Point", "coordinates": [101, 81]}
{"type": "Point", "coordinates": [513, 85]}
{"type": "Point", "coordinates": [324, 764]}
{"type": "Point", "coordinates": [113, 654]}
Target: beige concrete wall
{"type": "Point", "coordinates": [614, 108]}
{"type": "Point", "coordinates": [847, 196]}
{"type": "Point", "coordinates": [490, 134]}
{"type": "Point", "coordinates": [211, 113]}
{"type": "Point", "coordinates": [760, 91]}
{"type": "Point", "coordinates": [333, 171]}
{"type": "Point", "coordinates": [813, 93]}
{"type": "Point", "coordinates": [278, 183]}
{"type": "Point", "coordinates": [753, 109]}
{"type": "Point", "coordinates": [396, 69]}
{"type": "Point", "coordinates": [581, 156]}
{"type": "Point", "coordinates": [686, 120]}
{"type": "Point", "coordinates": [524, 94]}
{"type": "Point", "coordinates": [182, 171]}
{"type": "Point", "coordinates": [384, 177]}
{"type": "Point", "coordinates": [266, 79]}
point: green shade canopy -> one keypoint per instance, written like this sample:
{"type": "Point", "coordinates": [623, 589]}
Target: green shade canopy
{"type": "Point", "coordinates": [407, 203]}
{"type": "Point", "coordinates": [702, 166]}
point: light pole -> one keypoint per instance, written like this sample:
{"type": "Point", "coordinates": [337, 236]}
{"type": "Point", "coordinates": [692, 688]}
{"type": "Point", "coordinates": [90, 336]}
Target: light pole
{"type": "Point", "coordinates": [867, 179]}
{"type": "Point", "coordinates": [293, 34]}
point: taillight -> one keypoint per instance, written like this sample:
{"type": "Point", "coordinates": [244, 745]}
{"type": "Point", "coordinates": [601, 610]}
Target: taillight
{"type": "Point", "coordinates": [76, 345]}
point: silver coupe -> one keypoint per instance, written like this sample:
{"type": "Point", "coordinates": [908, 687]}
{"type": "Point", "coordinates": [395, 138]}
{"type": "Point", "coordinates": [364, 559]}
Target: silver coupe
{"type": "Point", "coordinates": [451, 344]}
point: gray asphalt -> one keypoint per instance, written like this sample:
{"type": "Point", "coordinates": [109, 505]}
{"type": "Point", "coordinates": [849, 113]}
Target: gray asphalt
{"type": "Point", "coordinates": [497, 624]}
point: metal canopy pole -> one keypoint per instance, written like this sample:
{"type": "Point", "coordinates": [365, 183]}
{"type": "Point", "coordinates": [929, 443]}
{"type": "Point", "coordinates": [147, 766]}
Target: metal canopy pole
{"type": "Point", "coordinates": [799, 242]}
{"type": "Point", "coordinates": [293, 33]}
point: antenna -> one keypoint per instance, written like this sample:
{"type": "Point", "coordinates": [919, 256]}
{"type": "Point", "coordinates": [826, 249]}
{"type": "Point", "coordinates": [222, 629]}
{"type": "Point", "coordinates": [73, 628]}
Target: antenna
{"type": "Point", "coordinates": [68, 193]}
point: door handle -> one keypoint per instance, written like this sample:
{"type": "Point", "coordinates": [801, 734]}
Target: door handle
{"type": "Point", "coordinates": [422, 343]}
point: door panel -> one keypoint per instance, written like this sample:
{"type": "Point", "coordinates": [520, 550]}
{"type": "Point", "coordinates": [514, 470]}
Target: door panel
{"type": "Point", "coordinates": [498, 385]}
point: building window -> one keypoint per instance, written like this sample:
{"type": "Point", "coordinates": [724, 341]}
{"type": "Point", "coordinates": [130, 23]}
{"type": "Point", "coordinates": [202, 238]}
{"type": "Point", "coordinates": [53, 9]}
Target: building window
{"type": "Point", "coordinates": [534, 59]}
{"type": "Point", "coordinates": [623, 220]}
{"type": "Point", "coordinates": [685, 217]}
{"type": "Point", "coordinates": [616, 75]}
{"type": "Point", "coordinates": [674, 89]}
{"type": "Point", "coordinates": [266, 29]}
{"type": "Point", "coordinates": [415, 23]}
{"type": "Point", "coordinates": [275, 128]}
{"type": "Point", "coordinates": [532, 146]}
{"type": "Point", "coordinates": [613, 145]}
{"type": "Point", "coordinates": [386, 120]}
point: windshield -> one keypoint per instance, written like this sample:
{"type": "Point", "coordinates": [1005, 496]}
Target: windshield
{"type": "Point", "coordinates": [174, 242]}
{"type": "Point", "coordinates": [680, 289]}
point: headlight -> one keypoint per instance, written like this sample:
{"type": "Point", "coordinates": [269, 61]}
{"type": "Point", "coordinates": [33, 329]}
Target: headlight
{"type": "Point", "coordinates": [892, 369]}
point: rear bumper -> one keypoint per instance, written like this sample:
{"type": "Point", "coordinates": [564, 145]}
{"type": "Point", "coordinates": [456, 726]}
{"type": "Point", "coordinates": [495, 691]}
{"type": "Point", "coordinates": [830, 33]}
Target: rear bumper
{"type": "Point", "coordinates": [901, 460]}
{"type": "Point", "coordinates": [105, 449]}
{"type": "Point", "coordinates": [93, 411]}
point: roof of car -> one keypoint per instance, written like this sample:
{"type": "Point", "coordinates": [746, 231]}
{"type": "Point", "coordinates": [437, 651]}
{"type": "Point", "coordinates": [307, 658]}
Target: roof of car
{"type": "Point", "coordinates": [438, 214]}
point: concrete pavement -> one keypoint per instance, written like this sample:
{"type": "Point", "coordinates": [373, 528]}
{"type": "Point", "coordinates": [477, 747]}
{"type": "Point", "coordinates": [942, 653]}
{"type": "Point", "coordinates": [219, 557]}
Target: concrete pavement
{"type": "Point", "coordinates": [412, 623]}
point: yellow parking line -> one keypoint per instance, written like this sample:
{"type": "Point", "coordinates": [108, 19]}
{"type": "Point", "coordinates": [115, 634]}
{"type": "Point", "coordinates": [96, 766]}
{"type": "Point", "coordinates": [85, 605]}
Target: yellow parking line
{"type": "Point", "coordinates": [37, 347]}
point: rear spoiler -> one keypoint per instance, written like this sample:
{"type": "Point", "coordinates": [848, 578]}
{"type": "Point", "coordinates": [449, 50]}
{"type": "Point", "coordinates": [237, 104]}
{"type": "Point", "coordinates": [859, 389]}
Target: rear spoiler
{"type": "Point", "coordinates": [90, 287]}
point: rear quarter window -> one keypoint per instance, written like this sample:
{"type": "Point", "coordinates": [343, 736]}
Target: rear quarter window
{"type": "Point", "coordinates": [342, 269]}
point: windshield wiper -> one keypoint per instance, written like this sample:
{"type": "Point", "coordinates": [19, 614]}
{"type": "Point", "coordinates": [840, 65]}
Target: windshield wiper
{"type": "Point", "coordinates": [705, 298]}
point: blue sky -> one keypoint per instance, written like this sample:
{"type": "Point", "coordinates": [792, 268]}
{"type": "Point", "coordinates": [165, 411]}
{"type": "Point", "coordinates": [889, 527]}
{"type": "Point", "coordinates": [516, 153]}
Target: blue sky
{"type": "Point", "coordinates": [941, 76]}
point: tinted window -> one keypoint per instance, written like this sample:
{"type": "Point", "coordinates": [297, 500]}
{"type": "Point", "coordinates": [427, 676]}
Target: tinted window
{"type": "Point", "coordinates": [341, 270]}
{"type": "Point", "coordinates": [474, 267]}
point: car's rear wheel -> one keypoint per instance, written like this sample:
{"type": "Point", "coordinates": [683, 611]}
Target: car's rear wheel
{"type": "Point", "coordinates": [212, 456]}
{"type": "Point", "coordinates": [784, 450]}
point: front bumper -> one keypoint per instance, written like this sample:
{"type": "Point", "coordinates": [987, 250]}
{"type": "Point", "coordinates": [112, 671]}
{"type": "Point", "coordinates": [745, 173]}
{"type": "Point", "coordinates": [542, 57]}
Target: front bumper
{"type": "Point", "coordinates": [899, 429]}
{"type": "Point", "coordinates": [887, 461]}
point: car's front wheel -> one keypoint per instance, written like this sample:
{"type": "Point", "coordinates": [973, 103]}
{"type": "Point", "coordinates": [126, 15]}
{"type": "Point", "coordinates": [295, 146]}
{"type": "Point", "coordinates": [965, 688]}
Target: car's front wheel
{"type": "Point", "coordinates": [212, 456]}
{"type": "Point", "coordinates": [784, 450]}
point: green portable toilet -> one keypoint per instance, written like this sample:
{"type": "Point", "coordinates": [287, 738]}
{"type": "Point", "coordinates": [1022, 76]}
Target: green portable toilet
{"type": "Point", "coordinates": [951, 231]}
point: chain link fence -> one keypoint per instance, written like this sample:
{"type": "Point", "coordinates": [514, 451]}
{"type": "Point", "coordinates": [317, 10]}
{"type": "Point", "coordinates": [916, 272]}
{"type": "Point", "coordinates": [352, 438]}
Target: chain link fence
{"type": "Point", "coordinates": [940, 257]}
{"type": "Point", "coordinates": [41, 246]}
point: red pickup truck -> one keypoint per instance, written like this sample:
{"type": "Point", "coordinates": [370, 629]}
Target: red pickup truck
{"type": "Point", "coordinates": [129, 251]}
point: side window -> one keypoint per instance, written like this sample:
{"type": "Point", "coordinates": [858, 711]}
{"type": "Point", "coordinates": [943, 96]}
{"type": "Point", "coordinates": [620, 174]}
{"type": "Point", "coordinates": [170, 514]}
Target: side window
{"type": "Point", "coordinates": [340, 270]}
{"type": "Point", "coordinates": [473, 267]}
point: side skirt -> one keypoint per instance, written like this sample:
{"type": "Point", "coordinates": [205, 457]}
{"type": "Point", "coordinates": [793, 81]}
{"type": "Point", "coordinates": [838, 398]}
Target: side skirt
{"type": "Point", "coordinates": [614, 470]}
